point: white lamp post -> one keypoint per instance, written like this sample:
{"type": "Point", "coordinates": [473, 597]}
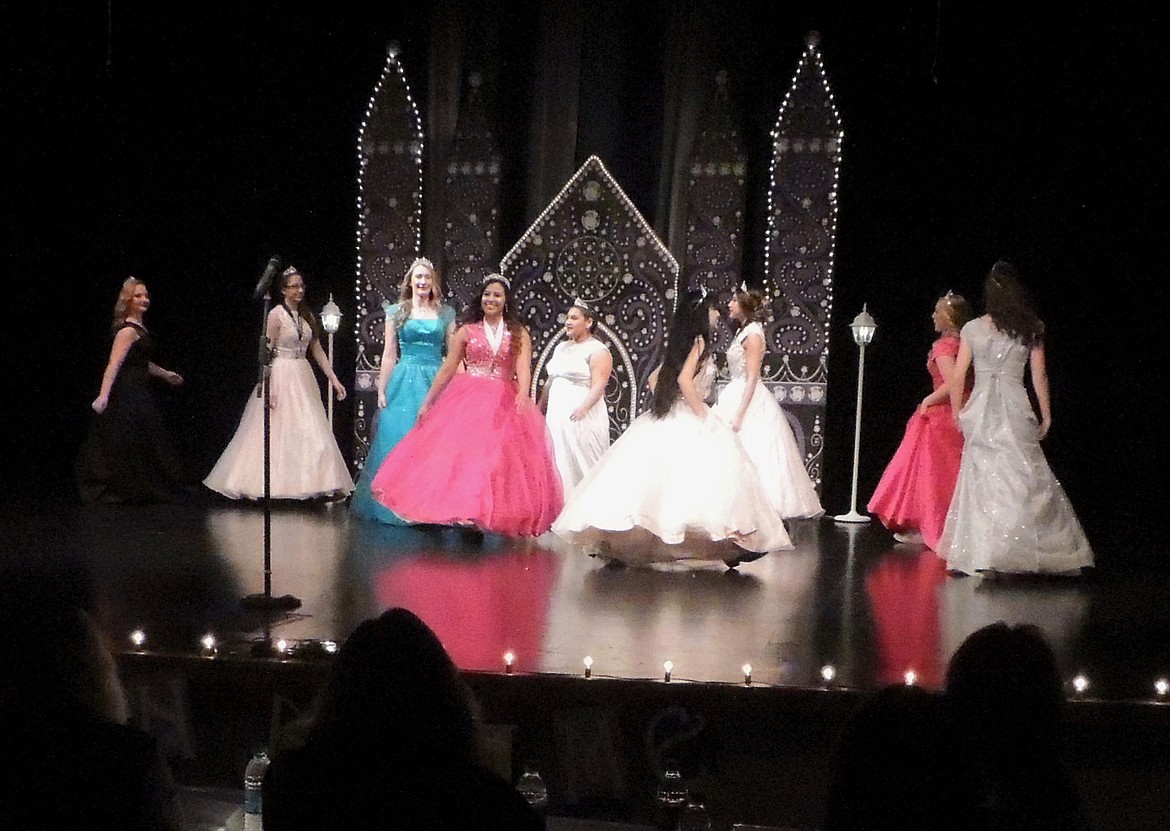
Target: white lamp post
{"type": "Point", "coordinates": [331, 321]}
{"type": "Point", "coordinates": [863, 327]}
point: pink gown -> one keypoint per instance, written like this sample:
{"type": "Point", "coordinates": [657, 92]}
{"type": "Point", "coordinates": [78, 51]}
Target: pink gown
{"type": "Point", "coordinates": [474, 458]}
{"type": "Point", "coordinates": [916, 488]}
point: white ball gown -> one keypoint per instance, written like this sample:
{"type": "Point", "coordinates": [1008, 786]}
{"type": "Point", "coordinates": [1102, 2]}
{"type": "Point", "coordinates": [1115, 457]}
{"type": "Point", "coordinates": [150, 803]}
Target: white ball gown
{"type": "Point", "coordinates": [1009, 513]}
{"type": "Point", "coordinates": [678, 487]}
{"type": "Point", "coordinates": [577, 445]}
{"type": "Point", "coordinates": [767, 436]}
{"type": "Point", "coordinates": [305, 460]}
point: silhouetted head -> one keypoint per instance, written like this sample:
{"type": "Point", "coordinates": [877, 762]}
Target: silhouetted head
{"type": "Point", "coordinates": [1007, 302]}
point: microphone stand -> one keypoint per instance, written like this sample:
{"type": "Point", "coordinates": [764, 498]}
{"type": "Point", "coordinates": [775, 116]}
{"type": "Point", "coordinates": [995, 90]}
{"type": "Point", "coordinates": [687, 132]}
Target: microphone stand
{"type": "Point", "coordinates": [266, 602]}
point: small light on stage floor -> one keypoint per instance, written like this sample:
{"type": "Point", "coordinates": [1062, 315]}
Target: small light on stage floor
{"type": "Point", "coordinates": [329, 646]}
{"type": "Point", "coordinates": [208, 642]}
{"type": "Point", "coordinates": [1162, 687]}
{"type": "Point", "coordinates": [828, 673]}
{"type": "Point", "coordinates": [911, 677]}
{"type": "Point", "coordinates": [1080, 684]}
{"type": "Point", "coordinates": [138, 638]}
{"type": "Point", "coordinates": [509, 660]}
{"type": "Point", "coordinates": [747, 675]}
{"type": "Point", "coordinates": [588, 662]}
{"type": "Point", "coordinates": [282, 646]}
{"type": "Point", "coordinates": [667, 668]}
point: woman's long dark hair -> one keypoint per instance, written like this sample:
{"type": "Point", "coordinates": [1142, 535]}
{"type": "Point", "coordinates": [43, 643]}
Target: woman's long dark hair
{"type": "Point", "coordinates": [474, 311]}
{"type": "Point", "coordinates": [393, 690]}
{"type": "Point", "coordinates": [690, 321]}
{"type": "Point", "coordinates": [1007, 302]}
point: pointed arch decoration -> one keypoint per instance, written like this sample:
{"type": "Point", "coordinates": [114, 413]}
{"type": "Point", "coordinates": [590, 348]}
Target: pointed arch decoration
{"type": "Point", "coordinates": [389, 226]}
{"type": "Point", "coordinates": [592, 243]}
{"type": "Point", "coordinates": [799, 250]}
{"type": "Point", "coordinates": [472, 181]}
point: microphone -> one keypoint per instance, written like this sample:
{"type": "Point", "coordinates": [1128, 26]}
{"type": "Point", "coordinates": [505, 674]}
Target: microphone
{"type": "Point", "coordinates": [265, 283]}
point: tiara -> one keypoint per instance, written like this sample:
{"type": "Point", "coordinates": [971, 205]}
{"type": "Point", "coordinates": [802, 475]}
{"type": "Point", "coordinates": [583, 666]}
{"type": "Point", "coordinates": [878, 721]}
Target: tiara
{"type": "Point", "coordinates": [582, 304]}
{"type": "Point", "coordinates": [497, 278]}
{"type": "Point", "coordinates": [743, 285]}
{"type": "Point", "coordinates": [420, 261]}
{"type": "Point", "coordinates": [290, 271]}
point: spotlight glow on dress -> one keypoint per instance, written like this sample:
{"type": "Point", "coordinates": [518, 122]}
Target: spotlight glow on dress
{"type": "Point", "coordinates": [911, 678]}
{"type": "Point", "coordinates": [138, 638]}
{"type": "Point", "coordinates": [509, 660]}
{"type": "Point", "coordinates": [588, 662]}
{"type": "Point", "coordinates": [747, 674]}
{"type": "Point", "coordinates": [1162, 687]}
{"type": "Point", "coordinates": [1080, 684]}
{"type": "Point", "coordinates": [667, 668]}
{"type": "Point", "coordinates": [828, 673]}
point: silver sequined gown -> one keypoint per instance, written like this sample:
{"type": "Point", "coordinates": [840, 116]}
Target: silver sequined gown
{"type": "Point", "coordinates": [1008, 513]}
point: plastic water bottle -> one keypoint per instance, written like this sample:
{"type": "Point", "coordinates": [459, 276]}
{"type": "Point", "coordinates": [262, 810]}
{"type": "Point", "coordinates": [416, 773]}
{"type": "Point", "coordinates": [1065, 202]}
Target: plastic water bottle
{"type": "Point", "coordinates": [533, 789]}
{"type": "Point", "coordinates": [253, 781]}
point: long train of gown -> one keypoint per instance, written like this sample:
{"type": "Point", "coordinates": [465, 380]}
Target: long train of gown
{"type": "Point", "coordinates": [476, 458]}
{"type": "Point", "coordinates": [577, 445]}
{"type": "Point", "coordinates": [420, 342]}
{"type": "Point", "coordinates": [304, 459]}
{"type": "Point", "coordinates": [127, 456]}
{"type": "Point", "coordinates": [767, 437]}
{"type": "Point", "coordinates": [1009, 513]}
{"type": "Point", "coordinates": [678, 487]}
{"type": "Point", "coordinates": [916, 488]}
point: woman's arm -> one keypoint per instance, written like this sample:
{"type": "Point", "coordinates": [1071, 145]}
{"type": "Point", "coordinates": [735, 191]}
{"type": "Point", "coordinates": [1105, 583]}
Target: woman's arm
{"type": "Point", "coordinates": [958, 377]}
{"type": "Point", "coordinates": [1039, 372]}
{"type": "Point", "coordinates": [446, 371]}
{"type": "Point", "coordinates": [686, 380]}
{"type": "Point", "coordinates": [753, 355]}
{"type": "Point", "coordinates": [389, 359]}
{"type": "Point", "coordinates": [323, 361]}
{"type": "Point", "coordinates": [946, 367]}
{"type": "Point", "coordinates": [172, 378]}
{"type": "Point", "coordinates": [600, 367]}
{"type": "Point", "coordinates": [121, 347]}
{"type": "Point", "coordinates": [523, 368]}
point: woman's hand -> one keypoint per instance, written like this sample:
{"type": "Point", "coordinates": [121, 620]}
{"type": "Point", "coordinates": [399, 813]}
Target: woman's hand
{"type": "Point", "coordinates": [381, 399]}
{"type": "Point", "coordinates": [924, 406]}
{"type": "Point", "coordinates": [701, 410]}
{"type": "Point", "coordinates": [579, 413]}
{"type": "Point", "coordinates": [1045, 426]}
{"type": "Point", "coordinates": [340, 388]}
{"type": "Point", "coordinates": [99, 404]}
{"type": "Point", "coordinates": [737, 423]}
{"type": "Point", "coordinates": [422, 411]}
{"type": "Point", "coordinates": [522, 399]}
{"type": "Point", "coordinates": [173, 378]}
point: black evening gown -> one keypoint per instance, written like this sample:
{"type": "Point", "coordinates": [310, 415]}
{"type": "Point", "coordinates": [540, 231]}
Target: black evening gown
{"type": "Point", "coordinates": [127, 456]}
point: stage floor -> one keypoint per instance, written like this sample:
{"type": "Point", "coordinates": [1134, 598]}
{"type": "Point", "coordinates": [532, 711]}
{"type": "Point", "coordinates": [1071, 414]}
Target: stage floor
{"type": "Point", "coordinates": [847, 596]}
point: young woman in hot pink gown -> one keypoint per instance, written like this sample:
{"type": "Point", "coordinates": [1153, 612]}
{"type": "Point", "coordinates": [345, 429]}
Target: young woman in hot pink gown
{"type": "Point", "coordinates": [915, 491]}
{"type": "Point", "coordinates": [480, 454]}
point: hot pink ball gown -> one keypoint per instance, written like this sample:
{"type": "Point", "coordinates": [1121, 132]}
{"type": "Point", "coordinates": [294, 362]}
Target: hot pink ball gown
{"type": "Point", "coordinates": [915, 491]}
{"type": "Point", "coordinates": [475, 458]}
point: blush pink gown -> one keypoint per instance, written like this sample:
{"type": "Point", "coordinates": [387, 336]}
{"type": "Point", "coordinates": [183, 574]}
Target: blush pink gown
{"type": "Point", "coordinates": [916, 488]}
{"type": "Point", "coordinates": [475, 458]}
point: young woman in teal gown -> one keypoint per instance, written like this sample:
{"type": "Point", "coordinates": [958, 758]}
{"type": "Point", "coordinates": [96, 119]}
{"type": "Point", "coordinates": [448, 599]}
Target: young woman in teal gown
{"type": "Point", "coordinates": [417, 329]}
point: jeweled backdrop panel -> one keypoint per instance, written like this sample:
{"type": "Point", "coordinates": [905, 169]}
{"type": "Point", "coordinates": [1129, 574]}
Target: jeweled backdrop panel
{"type": "Point", "coordinates": [390, 159]}
{"type": "Point", "coordinates": [592, 243]}
{"type": "Point", "coordinates": [802, 226]}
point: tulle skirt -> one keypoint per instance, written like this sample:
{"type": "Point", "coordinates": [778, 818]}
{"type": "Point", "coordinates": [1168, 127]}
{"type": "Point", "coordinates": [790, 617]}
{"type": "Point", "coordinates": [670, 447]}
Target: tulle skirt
{"type": "Point", "coordinates": [767, 437]}
{"type": "Point", "coordinates": [916, 488]}
{"type": "Point", "coordinates": [475, 459]}
{"type": "Point", "coordinates": [305, 460]}
{"type": "Point", "coordinates": [577, 445]}
{"type": "Point", "coordinates": [673, 488]}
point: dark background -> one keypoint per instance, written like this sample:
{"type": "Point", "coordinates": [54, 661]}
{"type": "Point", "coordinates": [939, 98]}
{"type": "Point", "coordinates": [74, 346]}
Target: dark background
{"type": "Point", "coordinates": [185, 143]}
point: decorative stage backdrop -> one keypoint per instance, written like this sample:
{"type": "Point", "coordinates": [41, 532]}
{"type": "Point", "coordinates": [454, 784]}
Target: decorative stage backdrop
{"type": "Point", "coordinates": [591, 242]}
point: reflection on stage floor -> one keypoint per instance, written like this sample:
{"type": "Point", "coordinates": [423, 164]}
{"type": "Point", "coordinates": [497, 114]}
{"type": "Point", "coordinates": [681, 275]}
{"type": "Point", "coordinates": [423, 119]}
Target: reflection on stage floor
{"type": "Point", "coordinates": [846, 596]}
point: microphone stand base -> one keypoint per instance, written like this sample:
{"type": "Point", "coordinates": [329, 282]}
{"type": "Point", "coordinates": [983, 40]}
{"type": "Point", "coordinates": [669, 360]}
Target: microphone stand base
{"type": "Point", "coordinates": [267, 603]}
